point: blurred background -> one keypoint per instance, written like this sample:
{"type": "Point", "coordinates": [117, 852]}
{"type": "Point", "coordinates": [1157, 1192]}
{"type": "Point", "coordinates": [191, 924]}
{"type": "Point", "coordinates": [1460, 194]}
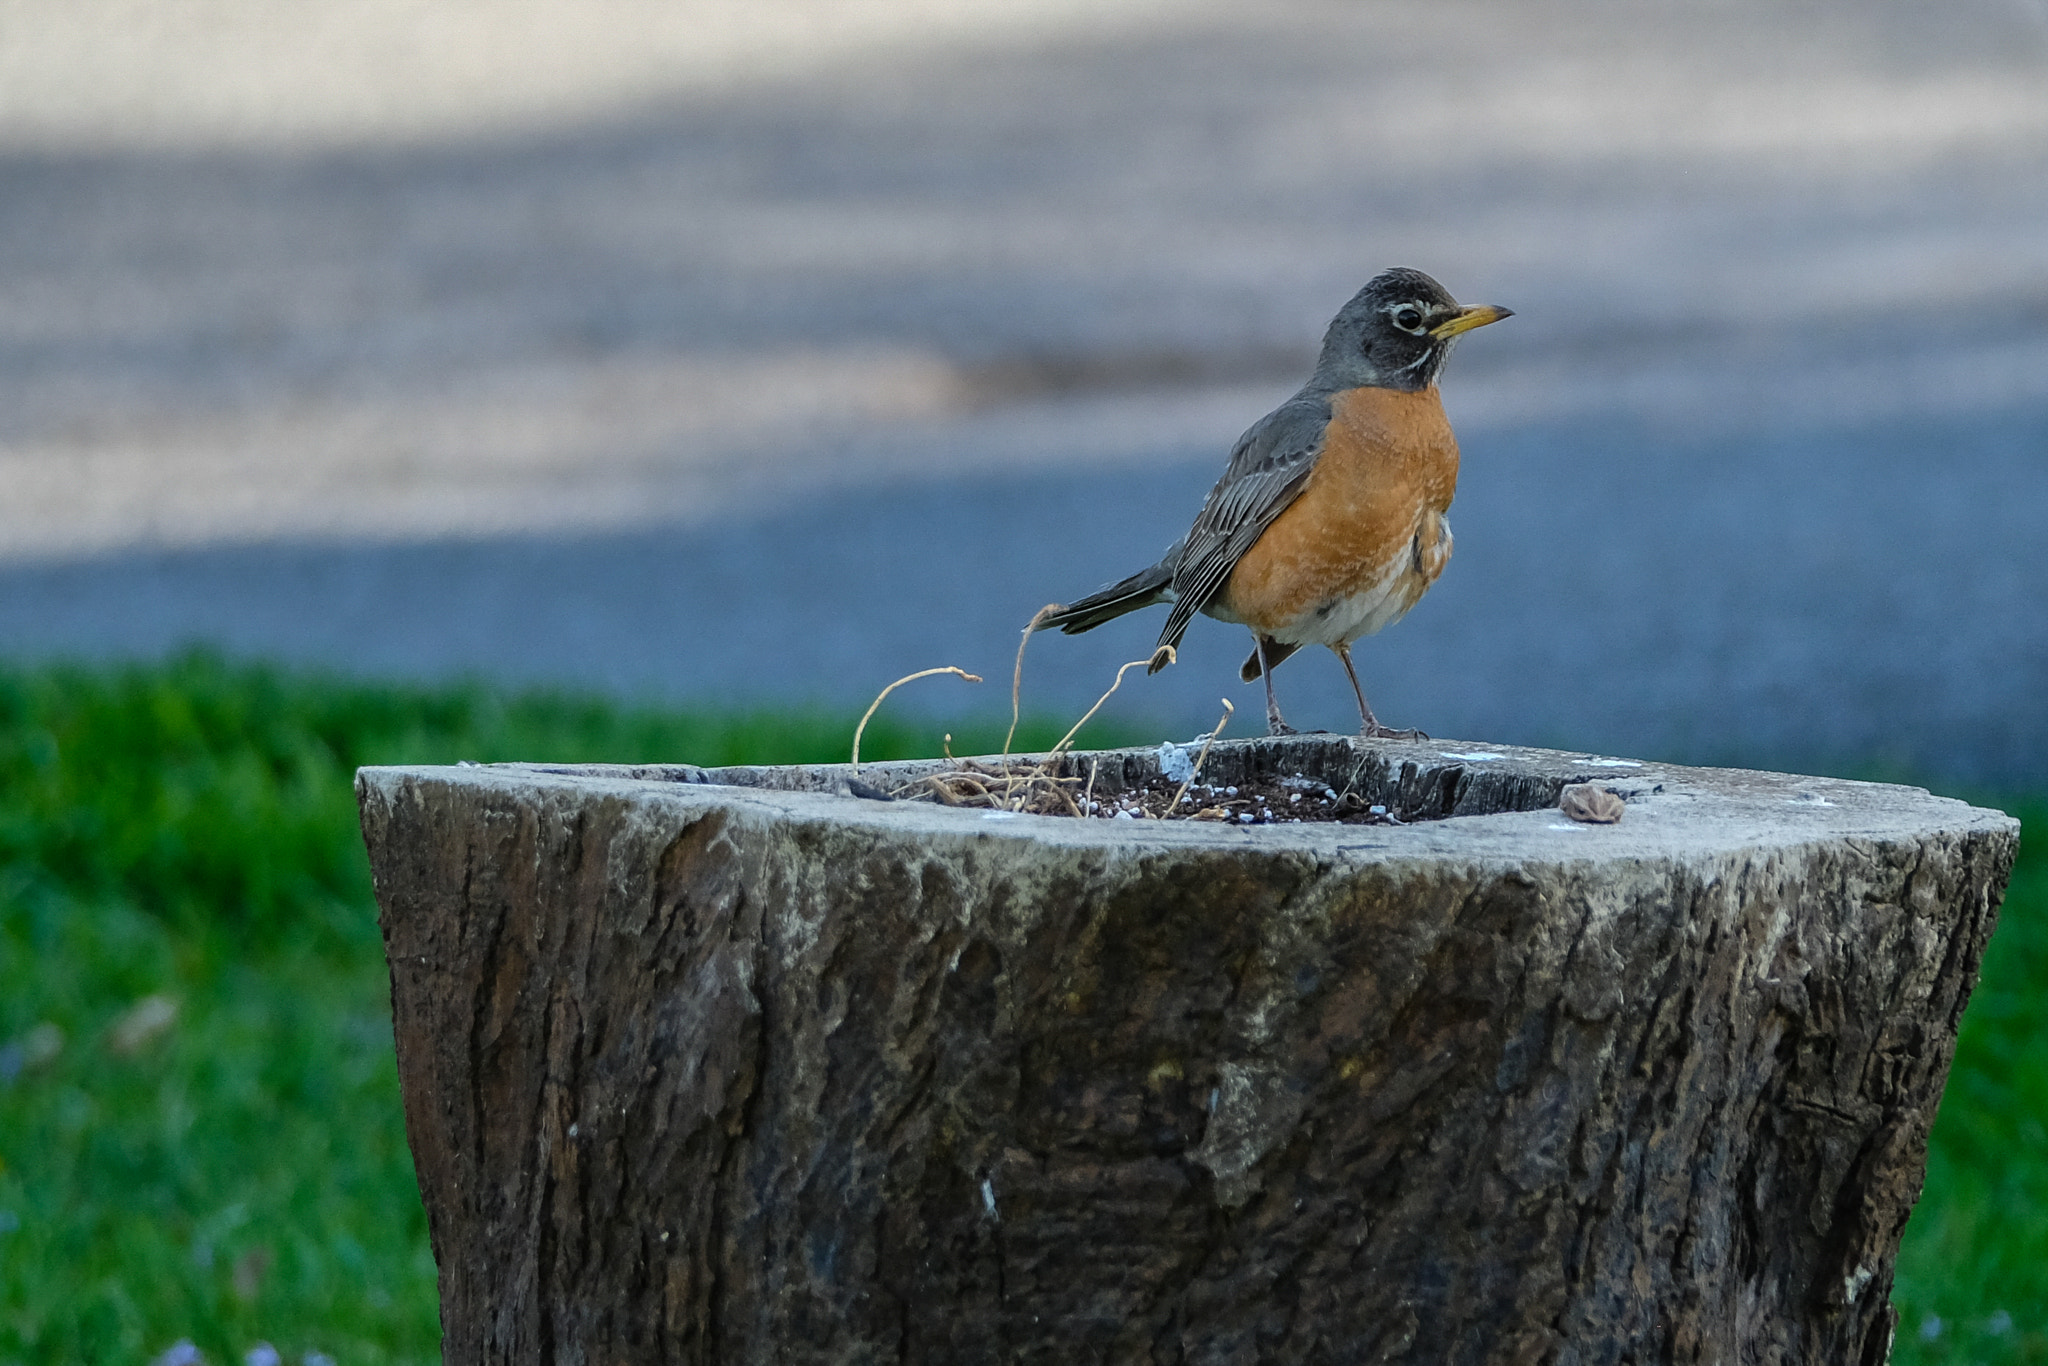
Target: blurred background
{"type": "Point", "coordinates": [420, 380]}
{"type": "Point", "coordinates": [716, 352]}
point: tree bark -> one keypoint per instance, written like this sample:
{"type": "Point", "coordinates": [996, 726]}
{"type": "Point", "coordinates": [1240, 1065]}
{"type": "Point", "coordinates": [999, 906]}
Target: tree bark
{"type": "Point", "coordinates": [709, 1068]}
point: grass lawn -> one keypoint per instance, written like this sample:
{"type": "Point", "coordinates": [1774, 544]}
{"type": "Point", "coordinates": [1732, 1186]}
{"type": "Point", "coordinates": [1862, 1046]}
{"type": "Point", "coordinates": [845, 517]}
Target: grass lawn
{"type": "Point", "coordinates": [200, 1134]}
{"type": "Point", "coordinates": [1973, 1270]}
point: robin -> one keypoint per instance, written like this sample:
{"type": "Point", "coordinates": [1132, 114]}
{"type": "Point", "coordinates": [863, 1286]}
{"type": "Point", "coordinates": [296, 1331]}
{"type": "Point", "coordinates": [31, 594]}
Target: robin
{"type": "Point", "coordinates": [1329, 523]}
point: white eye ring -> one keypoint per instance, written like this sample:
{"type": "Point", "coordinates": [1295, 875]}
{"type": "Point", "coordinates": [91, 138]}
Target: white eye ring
{"type": "Point", "coordinates": [1408, 318]}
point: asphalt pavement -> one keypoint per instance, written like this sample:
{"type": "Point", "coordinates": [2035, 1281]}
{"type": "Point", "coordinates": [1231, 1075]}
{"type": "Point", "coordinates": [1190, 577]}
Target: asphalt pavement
{"type": "Point", "coordinates": [781, 388]}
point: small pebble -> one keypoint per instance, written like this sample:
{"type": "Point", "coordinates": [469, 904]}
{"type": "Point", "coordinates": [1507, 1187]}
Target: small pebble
{"type": "Point", "coordinates": [1589, 803]}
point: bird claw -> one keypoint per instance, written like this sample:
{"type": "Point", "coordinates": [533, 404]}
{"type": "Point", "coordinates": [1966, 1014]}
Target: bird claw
{"type": "Point", "coordinates": [1379, 732]}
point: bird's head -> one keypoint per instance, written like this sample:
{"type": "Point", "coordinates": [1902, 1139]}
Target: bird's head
{"type": "Point", "coordinates": [1396, 333]}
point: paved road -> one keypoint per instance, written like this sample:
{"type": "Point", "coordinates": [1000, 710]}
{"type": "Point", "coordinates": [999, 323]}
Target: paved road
{"type": "Point", "coordinates": [793, 384]}
{"type": "Point", "coordinates": [1740, 626]}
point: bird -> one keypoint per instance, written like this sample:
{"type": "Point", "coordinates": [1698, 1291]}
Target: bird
{"type": "Point", "coordinates": [1329, 522]}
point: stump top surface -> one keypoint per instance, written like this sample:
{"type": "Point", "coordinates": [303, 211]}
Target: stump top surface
{"type": "Point", "coordinates": [1500, 801]}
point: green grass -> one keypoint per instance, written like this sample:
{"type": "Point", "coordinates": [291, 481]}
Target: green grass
{"type": "Point", "coordinates": [188, 831]}
{"type": "Point", "coordinates": [1973, 1271]}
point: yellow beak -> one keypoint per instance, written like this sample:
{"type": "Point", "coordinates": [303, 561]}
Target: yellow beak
{"type": "Point", "coordinates": [1465, 319]}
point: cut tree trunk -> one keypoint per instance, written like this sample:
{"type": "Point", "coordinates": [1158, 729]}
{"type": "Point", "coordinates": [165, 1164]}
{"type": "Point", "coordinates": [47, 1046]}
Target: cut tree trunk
{"type": "Point", "coordinates": [722, 1066]}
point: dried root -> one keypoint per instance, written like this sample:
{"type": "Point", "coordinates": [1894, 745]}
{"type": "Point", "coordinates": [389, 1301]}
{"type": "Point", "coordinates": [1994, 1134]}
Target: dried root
{"type": "Point", "coordinates": [1039, 786]}
{"type": "Point", "coordinates": [1196, 771]}
{"type": "Point", "coordinates": [868, 715]}
{"type": "Point", "coordinates": [1067, 739]}
{"type": "Point", "coordinates": [1017, 674]}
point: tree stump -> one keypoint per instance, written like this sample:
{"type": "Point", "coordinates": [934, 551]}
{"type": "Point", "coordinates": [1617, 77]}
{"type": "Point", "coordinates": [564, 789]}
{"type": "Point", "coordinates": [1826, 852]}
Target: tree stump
{"type": "Point", "coordinates": [727, 1067]}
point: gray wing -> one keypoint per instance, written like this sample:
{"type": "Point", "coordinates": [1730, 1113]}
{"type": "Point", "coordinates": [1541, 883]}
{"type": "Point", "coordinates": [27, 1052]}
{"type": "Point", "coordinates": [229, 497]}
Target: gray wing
{"type": "Point", "coordinates": [1266, 473]}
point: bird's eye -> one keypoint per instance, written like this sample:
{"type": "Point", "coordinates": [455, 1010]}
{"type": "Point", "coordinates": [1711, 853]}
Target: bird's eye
{"type": "Point", "coordinates": [1408, 318]}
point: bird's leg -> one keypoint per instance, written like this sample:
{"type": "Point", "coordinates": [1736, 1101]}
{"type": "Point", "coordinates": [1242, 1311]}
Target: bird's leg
{"type": "Point", "coordinates": [1275, 725]}
{"type": "Point", "coordinates": [1372, 729]}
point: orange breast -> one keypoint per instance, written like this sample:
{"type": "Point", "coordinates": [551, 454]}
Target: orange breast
{"type": "Point", "coordinates": [1366, 537]}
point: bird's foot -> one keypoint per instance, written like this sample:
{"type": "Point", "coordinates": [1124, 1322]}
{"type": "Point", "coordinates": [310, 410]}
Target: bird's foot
{"type": "Point", "coordinates": [1275, 726]}
{"type": "Point", "coordinates": [1376, 731]}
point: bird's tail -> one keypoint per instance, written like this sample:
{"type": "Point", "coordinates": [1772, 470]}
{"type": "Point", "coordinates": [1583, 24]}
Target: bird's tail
{"type": "Point", "coordinates": [1142, 589]}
